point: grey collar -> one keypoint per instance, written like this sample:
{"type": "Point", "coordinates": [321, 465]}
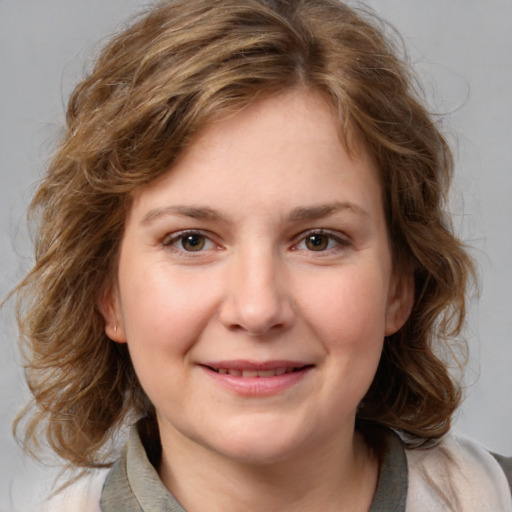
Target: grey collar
{"type": "Point", "coordinates": [133, 485]}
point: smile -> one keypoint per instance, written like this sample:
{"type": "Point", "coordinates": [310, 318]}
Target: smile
{"type": "Point", "coordinates": [252, 379]}
{"type": "Point", "coordinates": [256, 373]}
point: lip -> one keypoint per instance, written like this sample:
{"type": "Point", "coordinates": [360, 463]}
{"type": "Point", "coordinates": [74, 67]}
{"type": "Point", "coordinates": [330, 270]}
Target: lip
{"type": "Point", "coordinates": [257, 386]}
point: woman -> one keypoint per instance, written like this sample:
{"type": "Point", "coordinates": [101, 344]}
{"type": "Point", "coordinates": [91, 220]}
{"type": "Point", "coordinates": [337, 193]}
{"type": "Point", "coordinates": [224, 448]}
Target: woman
{"type": "Point", "coordinates": [242, 246]}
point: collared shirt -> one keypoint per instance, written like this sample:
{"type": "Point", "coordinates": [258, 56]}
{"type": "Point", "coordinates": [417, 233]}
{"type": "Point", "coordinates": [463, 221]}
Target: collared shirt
{"type": "Point", "coordinates": [457, 472]}
{"type": "Point", "coordinates": [133, 485]}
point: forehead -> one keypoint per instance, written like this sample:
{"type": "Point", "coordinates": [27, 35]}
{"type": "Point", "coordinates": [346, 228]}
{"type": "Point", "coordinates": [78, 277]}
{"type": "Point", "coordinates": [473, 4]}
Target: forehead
{"type": "Point", "coordinates": [295, 114]}
{"type": "Point", "coordinates": [283, 150]}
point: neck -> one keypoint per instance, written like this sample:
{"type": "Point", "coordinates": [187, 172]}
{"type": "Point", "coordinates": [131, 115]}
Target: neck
{"type": "Point", "coordinates": [339, 476]}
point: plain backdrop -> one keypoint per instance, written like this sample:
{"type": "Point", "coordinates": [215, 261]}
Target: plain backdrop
{"type": "Point", "coordinates": [462, 49]}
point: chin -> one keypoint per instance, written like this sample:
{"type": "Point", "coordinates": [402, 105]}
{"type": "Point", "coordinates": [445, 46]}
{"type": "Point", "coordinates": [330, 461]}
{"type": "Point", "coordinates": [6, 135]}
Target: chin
{"type": "Point", "coordinates": [258, 454]}
{"type": "Point", "coordinates": [261, 446]}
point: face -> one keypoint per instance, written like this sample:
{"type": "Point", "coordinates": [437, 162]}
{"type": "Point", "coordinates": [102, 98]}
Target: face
{"type": "Point", "coordinates": [255, 285]}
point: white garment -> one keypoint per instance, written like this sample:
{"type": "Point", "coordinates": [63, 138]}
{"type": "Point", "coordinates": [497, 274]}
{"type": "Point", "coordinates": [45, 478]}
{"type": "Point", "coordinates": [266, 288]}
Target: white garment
{"type": "Point", "coordinates": [82, 496]}
{"type": "Point", "coordinates": [463, 472]}
{"type": "Point", "coordinates": [455, 475]}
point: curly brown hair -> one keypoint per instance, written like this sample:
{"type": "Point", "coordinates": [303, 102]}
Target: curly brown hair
{"type": "Point", "coordinates": [176, 69]}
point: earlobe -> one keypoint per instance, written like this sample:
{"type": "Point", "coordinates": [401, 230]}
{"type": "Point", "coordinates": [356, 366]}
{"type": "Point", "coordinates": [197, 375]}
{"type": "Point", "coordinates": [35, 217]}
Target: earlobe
{"type": "Point", "coordinates": [400, 302]}
{"type": "Point", "coordinates": [110, 309]}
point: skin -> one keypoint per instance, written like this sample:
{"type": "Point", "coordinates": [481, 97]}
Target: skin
{"type": "Point", "coordinates": [265, 242]}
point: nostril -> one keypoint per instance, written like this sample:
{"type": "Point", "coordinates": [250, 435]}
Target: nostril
{"type": "Point", "coordinates": [255, 304]}
{"type": "Point", "coordinates": [253, 331]}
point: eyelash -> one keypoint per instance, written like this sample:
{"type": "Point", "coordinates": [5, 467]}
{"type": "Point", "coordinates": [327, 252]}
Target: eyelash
{"type": "Point", "coordinates": [171, 240]}
{"type": "Point", "coordinates": [340, 243]}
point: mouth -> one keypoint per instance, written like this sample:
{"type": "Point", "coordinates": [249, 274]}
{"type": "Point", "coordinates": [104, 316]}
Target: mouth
{"type": "Point", "coordinates": [262, 374]}
{"type": "Point", "coordinates": [257, 379]}
{"type": "Point", "coordinates": [251, 370]}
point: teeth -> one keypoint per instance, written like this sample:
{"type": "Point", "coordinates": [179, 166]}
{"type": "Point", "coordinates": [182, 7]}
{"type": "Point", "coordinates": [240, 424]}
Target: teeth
{"type": "Point", "coordinates": [268, 373]}
{"type": "Point", "coordinates": [249, 373]}
{"type": "Point", "coordinates": [254, 373]}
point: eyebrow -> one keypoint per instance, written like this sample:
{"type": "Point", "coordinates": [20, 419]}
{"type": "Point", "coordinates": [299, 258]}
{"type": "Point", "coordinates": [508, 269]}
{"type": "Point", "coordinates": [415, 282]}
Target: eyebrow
{"type": "Point", "coordinates": [194, 212]}
{"type": "Point", "coordinates": [320, 211]}
{"type": "Point", "coordinates": [301, 213]}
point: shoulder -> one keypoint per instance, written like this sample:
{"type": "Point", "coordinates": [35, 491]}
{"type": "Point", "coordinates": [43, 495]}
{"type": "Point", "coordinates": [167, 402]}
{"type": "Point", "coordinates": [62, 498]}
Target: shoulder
{"type": "Point", "coordinates": [459, 474]}
{"type": "Point", "coordinates": [81, 496]}
{"type": "Point", "coordinates": [506, 465]}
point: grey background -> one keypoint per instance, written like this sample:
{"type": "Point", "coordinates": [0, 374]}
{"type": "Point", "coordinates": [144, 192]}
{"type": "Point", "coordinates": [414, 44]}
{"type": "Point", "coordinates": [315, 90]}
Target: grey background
{"type": "Point", "coordinates": [463, 51]}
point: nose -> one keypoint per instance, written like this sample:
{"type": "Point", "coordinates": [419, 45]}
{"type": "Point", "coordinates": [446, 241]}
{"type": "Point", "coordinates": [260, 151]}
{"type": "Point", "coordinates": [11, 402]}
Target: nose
{"type": "Point", "coordinates": [257, 299]}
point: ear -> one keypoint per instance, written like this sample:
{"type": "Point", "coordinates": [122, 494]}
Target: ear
{"type": "Point", "coordinates": [109, 306]}
{"type": "Point", "coordinates": [400, 301]}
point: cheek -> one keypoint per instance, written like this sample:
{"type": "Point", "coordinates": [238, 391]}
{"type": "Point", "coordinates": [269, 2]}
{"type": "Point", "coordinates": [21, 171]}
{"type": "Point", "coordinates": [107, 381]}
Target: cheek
{"type": "Point", "coordinates": [349, 309]}
{"type": "Point", "coordinates": [163, 318]}
{"type": "Point", "coordinates": [166, 309]}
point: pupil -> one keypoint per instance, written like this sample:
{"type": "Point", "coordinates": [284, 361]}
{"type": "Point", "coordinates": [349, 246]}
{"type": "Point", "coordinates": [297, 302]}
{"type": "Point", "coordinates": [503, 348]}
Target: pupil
{"type": "Point", "coordinates": [317, 242]}
{"type": "Point", "coordinates": [193, 242]}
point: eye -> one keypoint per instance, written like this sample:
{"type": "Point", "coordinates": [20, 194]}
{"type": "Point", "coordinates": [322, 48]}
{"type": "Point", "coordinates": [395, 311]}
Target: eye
{"type": "Point", "coordinates": [188, 242]}
{"type": "Point", "coordinates": [317, 242]}
{"type": "Point", "coordinates": [192, 242]}
{"type": "Point", "coordinates": [320, 241]}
